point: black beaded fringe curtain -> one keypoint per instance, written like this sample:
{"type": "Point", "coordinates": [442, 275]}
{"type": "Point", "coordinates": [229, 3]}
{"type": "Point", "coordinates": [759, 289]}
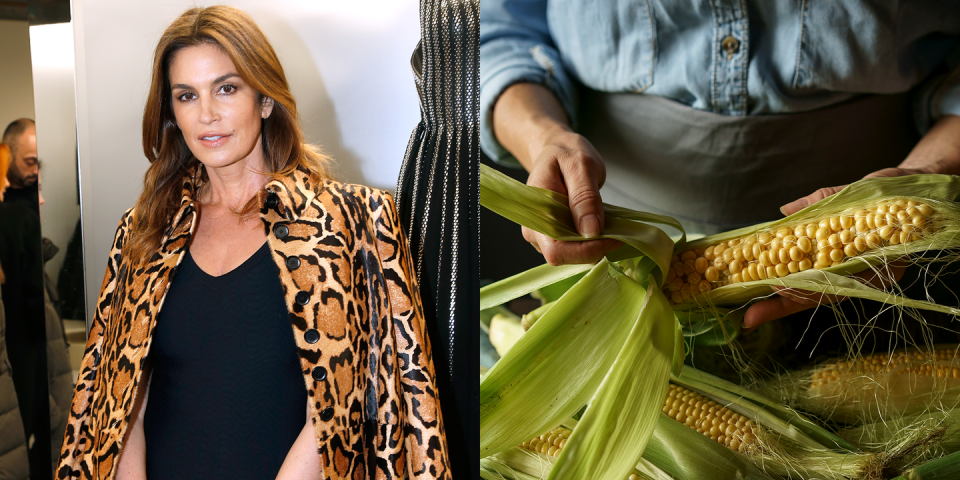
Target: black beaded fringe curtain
{"type": "Point", "coordinates": [437, 196]}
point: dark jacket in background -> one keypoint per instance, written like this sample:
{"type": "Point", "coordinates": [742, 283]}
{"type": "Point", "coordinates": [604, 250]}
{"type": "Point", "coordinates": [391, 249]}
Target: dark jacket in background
{"type": "Point", "coordinates": [29, 196]}
{"type": "Point", "coordinates": [60, 380]}
{"type": "Point", "coordinates": [25, 338]}
{"type": "Point", "coordinates": [13, 446]}
{"type": "Point", "coordinates": [23, 266]}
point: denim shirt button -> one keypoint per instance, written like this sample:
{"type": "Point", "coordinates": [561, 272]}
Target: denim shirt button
{"type": "Point", "coordinates": [730, 45]}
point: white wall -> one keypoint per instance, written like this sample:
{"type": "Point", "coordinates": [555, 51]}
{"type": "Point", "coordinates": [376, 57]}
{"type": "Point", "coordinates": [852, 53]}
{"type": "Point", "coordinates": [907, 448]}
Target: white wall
{"type": "Point", "coordinates": [56, 115]}
{"type": "Point", "coordinates": [16, 79]}
{"type": "Point", "coordinates": [348, 64]}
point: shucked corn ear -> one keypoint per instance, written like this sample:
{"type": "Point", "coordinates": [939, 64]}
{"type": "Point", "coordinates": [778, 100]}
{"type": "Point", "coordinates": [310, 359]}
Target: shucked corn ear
{"type": "Point", "coordinates": [883, 386]}
{"type": "Point", "coordinates": [786, 249]}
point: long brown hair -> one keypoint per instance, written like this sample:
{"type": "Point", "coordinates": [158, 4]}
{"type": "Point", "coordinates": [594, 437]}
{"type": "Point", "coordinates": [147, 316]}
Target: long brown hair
{"type": "Point", "coordinates": [284, 150]}
{"type": "Point", "coordinates": [6, 156]}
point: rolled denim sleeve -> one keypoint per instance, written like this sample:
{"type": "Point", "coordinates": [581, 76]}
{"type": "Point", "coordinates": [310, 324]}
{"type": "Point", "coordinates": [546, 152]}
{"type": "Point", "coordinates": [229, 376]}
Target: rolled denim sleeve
{"type": "Point", "coordinates": [939, 96]}
{"type": "Point", "coordinates": [515, 47]}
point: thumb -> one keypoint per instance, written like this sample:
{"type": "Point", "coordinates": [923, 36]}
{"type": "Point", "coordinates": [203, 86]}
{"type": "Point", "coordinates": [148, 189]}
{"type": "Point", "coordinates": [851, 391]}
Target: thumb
{"type": "Point", "coordinates": [801, 203]}
{"type": "Point", "coordinates": [587, 209]}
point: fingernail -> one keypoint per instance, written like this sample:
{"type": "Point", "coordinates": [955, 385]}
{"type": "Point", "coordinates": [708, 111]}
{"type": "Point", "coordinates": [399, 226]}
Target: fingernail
{"type": "Point", "coordinates": [799, 204]}
{"type": "Point", "coordinates": [590, 226]}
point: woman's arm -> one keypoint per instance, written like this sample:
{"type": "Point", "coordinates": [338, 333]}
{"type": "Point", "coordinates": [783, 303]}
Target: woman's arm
{"type": "Point", "coordinates": [303, 461]}
{"type": "Point", "coordinates": [133, 455]}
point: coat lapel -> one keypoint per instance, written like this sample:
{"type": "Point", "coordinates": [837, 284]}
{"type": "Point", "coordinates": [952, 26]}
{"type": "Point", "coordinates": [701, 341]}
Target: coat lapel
{"type": "Point", "coordinates": [137, 300]}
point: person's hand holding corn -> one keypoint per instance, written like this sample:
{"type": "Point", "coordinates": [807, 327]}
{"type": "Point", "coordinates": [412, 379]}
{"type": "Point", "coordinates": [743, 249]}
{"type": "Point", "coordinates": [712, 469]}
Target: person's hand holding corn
{"type": "Point", "coordinates": [937, 152]}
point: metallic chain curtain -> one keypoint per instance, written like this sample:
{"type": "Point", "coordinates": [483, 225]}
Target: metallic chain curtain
{"type": "Point", "coordinates": [437, 195]}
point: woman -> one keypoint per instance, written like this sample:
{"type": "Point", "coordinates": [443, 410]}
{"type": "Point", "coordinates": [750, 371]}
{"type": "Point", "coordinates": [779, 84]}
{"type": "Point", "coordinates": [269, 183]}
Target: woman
{"type": "Point", "coordinates": [211, 385]}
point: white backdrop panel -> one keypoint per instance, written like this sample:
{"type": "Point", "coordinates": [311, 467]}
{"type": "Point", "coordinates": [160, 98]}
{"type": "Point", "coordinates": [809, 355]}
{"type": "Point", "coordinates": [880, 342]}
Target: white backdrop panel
{"type": "Point", "coordinates": [347, 64]}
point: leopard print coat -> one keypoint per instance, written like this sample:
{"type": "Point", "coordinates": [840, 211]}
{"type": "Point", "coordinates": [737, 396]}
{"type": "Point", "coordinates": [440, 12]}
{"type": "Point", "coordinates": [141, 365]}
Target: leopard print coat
{"type": "Point", "coordinates": [355, 313]}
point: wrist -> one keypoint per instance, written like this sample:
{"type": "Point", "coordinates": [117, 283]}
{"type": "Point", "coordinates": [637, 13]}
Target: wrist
{"type": "Point", "coordinates": [939, 150]}
{"type": "Point", "coordinates": [546, 132]}
{"type": "Point", "coordinates": [525, 116]}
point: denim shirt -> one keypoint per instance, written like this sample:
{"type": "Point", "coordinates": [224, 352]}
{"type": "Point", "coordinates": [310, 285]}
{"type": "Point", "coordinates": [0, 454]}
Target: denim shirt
{"type": "Point", "coordinates": [731, 57]}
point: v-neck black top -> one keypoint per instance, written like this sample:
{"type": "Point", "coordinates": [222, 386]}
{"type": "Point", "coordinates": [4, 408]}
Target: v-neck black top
{"type": "Point", "coordinates": [227, 398]}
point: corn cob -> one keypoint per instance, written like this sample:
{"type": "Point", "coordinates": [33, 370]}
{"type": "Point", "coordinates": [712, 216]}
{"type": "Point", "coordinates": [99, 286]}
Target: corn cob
{"type": "Point", "coordinates": [912, 362]}
{"type": "Point", "coordinates": [879, 387]}
{"type": "Point", "coordinates": [705, 416]}
{"type": "Point", "coordinates": [796, 248]}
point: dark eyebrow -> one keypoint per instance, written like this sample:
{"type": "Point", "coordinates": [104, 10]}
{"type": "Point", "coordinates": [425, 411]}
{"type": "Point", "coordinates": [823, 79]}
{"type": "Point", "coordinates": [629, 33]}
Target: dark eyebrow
{"type": "Point", "coordinates": [216, 81]}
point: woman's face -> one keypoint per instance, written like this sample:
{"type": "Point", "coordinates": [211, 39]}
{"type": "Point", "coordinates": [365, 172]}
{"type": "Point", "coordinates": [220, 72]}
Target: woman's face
{"type": "Point", "coordinates": [217, 112]}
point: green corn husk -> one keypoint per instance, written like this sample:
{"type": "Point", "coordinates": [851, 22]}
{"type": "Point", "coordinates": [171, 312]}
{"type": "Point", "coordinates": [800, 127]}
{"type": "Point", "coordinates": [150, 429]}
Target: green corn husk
{"type": "Point", "coordinates": [944, 468]}
{"type": "Point", "coordinates": [520, 464]}
{"type": "Point", "coordinates": [680, 452]}
{"type": "Point", "coordinates": [614, 430]}
{"type": "Point", "coordinates": [548, 212]}
{"type": "Point", "coordinates": [802, 446]}
{"type": "Point", "coordinates": [532, 316]}
{"type": "Point", "coordinates": [531, 390]}
{"type": "Point", "coordinates": [700, 327]}
{"type": "Point", "coordinates": [526, 282]}
{"type": "Point", "coordinates": [940, 426]}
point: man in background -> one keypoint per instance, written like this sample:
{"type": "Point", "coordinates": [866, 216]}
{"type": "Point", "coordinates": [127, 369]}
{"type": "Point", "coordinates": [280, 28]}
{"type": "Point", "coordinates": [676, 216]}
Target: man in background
{"type": "Point", "coordinates": [24, 301]}
{"type": "Point", "coordinates": [21, 136]}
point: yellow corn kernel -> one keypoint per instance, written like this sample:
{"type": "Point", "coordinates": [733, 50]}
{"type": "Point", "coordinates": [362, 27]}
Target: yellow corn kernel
{"type": "Point", "coordinates": [797, 248]}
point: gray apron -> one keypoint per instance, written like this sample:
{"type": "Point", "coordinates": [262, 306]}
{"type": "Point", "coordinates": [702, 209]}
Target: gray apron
{"type": "Point", "coordinates": [715, 173]}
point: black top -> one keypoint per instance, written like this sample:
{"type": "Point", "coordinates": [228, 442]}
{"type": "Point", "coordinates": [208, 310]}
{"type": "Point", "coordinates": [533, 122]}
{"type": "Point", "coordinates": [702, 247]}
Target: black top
{"type": "Point", "coordinates": [227, 397]}
{"type": "Point", "coordinates": [22, 265]}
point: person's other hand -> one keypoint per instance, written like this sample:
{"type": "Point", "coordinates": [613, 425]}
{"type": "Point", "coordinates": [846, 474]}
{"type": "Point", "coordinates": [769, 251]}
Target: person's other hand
{"type": "Point", "coordinates": [530, 122]}
{"type": "Point", "coordinates": [567, 163]}
{"type": "Point", "coordinates": [801, 203]}
{"type": "Point", "coordinates": [790, 301]}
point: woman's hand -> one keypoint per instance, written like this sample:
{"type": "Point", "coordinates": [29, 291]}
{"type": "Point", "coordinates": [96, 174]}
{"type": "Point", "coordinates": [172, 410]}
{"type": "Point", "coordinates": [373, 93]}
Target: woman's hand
{"type": "Point", "coordinates": [530, 122]}
{"type": "Point", "coordinates": [303, 462]}
{"type": "Point", "coordinates": [937, 152]}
